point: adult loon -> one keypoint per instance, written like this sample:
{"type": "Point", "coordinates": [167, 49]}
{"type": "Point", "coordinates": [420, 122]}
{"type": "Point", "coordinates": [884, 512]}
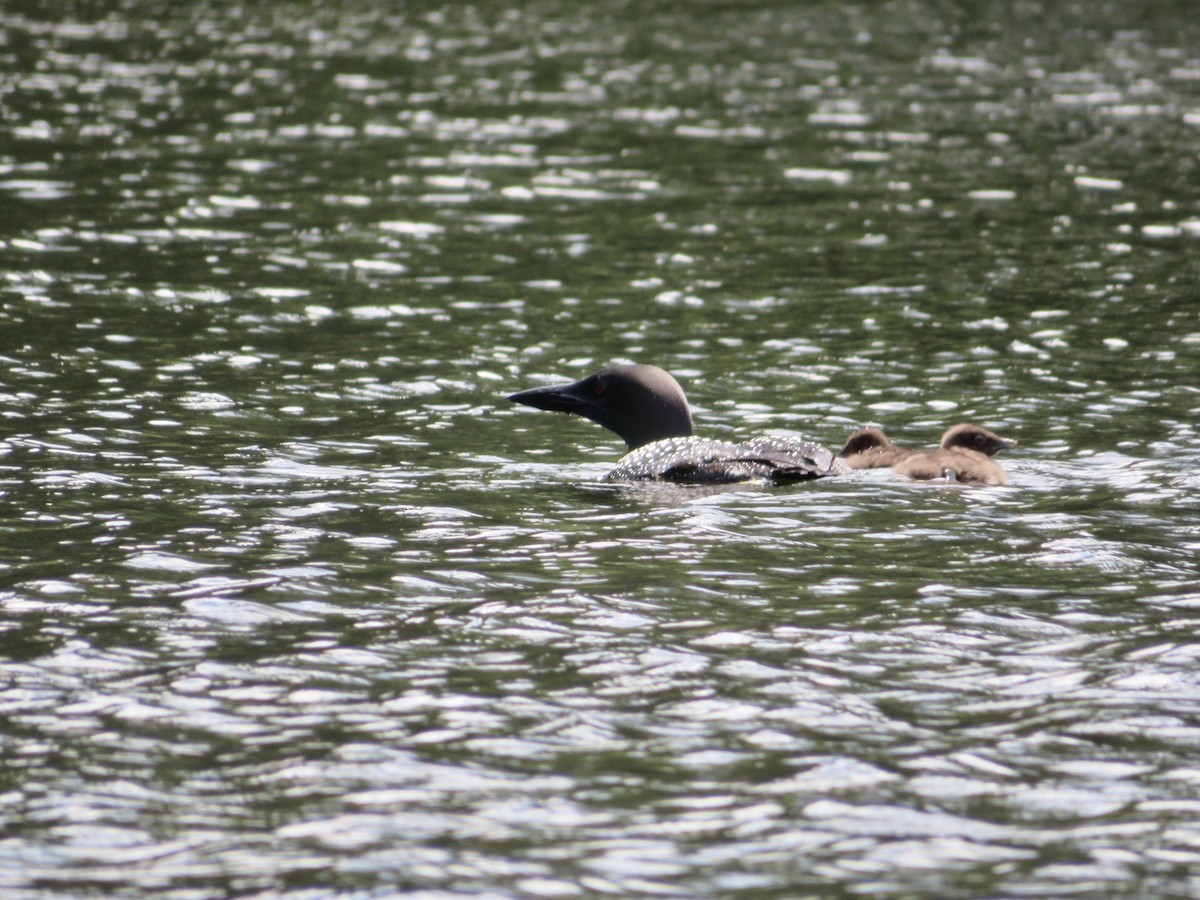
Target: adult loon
{"type": "Point", "coordinates": [647, 408]}
{"type": "Point", "coordinates": [964, 454]}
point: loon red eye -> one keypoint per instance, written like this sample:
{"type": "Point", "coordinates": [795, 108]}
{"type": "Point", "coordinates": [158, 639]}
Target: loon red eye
{"type": "Point", "coordinates": [600, 388]}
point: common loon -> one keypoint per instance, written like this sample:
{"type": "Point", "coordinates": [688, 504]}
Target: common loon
{"type": "Point", "coordinates": [964, 454]}
{"type": "Point", "coordinates": [648, 409]}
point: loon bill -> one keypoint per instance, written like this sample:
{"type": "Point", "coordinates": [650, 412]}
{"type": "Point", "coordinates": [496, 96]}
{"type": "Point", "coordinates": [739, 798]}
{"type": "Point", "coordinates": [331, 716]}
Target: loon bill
{"type": "Point", "coordinates": [647, 408]}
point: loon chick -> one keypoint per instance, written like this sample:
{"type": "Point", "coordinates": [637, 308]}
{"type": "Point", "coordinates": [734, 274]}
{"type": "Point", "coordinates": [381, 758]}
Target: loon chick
{"type": "Point", "coordinates": [647, 408]}
{"type": "Point", "coordinates": [963, 455]}
{"type": "Point", "coordinates": [965, 436]}
{"type": "Point", "coordinates": [870, 448]}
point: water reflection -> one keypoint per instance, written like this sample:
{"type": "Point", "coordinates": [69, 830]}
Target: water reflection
{"type": "Point", "coordinates": [293, 602]}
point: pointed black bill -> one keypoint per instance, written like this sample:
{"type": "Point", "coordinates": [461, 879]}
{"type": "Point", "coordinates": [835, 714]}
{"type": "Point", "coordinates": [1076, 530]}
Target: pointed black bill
{"type": "Point", "coordinates": [568, 398]}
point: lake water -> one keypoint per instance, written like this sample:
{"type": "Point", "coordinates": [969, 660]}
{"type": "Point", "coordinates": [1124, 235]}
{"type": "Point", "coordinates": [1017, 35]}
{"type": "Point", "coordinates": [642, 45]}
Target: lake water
{"type": "Point", "coordinates": [294, 603]}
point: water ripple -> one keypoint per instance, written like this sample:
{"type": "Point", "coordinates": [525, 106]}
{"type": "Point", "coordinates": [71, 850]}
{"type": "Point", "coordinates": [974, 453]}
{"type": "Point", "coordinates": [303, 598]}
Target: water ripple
{"type": "Point", "coordinates": [293, 601]}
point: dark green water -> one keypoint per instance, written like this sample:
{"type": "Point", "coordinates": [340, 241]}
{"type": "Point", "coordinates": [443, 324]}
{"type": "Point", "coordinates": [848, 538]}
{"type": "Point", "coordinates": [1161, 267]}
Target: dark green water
{"type": "Point", "coordinates": [293, 603]}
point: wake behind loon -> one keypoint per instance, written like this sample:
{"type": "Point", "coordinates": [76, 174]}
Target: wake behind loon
{"type": "Point", "coordinates": [648, 409]}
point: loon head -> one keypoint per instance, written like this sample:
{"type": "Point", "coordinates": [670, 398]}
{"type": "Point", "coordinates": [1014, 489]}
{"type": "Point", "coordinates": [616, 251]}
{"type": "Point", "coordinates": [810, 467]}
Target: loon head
{"type": "Point", "coordinates": [642, 404]}
{"type": "Point", "coordinates": [864, 440]}
{"type": "Point", "coordinates": [966, 436]}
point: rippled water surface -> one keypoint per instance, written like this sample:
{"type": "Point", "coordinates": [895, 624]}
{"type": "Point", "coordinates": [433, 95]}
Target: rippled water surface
{"type": "Point", "coordinates": [294, 603]}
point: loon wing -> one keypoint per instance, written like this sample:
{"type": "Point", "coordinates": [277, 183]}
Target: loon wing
{"type": "Point", "coordinates": [793, 459]}
{"type": "Point", "coordinates": [693, 460]}
{"type": "Point", "coordinates": [686, 459]}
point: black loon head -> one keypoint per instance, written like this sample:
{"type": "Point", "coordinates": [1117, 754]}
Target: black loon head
{"type": "Point", "coordinates": [966, 436]}
{"type": "Point", "coordinates": [642, 404]}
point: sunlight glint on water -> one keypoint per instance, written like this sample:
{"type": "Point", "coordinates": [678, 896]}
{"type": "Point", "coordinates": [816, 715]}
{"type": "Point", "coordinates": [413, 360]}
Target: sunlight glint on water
{"type": "Point", "coordinates": [293, 602]}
